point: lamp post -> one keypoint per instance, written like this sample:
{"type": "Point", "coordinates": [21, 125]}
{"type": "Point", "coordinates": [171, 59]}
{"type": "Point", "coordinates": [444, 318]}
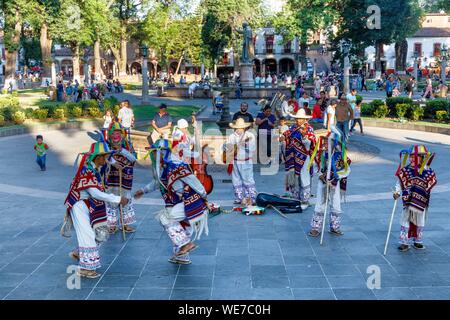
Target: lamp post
{"type": "Point", "coordinates": [345, 45]}
{"type": "Point", "coordinates": [53, 67]}
{"type": "Point", "coordinates": [444, 51]}
{"type": "Point", "coordinates": [315, 68]}
{"type": "Point", "coordinates": [144, 53]}
{"type": "Point", "coordinates": [416, 64]}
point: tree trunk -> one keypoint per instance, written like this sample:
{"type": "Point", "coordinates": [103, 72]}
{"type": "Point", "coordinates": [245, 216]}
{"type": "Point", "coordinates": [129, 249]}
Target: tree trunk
{"type": "Point", "coordinates": [378, 50]}
{"type": "Point", "coordinates": [401, 51]}
{"type": "Point", "coordinates": [303, 46]}
{"type": "Point", "coordinates": [76, 62]}
{"type": "Point", "coordinates": [46, 51]}
{"type": "Point", "coordinates": [11, 52]}
{"type": "Point", "coordinates": [179, 64]}
{"type": "Point", "coordinates": [123, 57]}
{"type": "Point", "coordinates": [97, 64]}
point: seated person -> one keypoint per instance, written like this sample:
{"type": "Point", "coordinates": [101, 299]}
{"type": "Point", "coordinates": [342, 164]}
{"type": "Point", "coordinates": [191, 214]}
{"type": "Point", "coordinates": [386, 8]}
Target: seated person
{"type": "Point", "coordinates": [317, 114]}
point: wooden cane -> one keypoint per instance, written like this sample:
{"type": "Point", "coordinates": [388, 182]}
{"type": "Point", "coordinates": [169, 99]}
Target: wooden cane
{"type": "Point", "coordinates": [390, 227]}
{"type": "Point", "coordinates": [120, 206]}
{"type": "Point", "coordinates": [325, 213]}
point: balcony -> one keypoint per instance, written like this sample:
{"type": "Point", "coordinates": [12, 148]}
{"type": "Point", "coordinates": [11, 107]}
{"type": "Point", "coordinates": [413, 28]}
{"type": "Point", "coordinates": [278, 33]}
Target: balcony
{"type": "Point", "coordinates": [265, 51]}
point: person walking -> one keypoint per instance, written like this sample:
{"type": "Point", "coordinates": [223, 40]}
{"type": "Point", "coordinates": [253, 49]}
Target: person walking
{"type": "Point", "coordinates": [389, 87]}
{"type": "Point", "coordinates": [357, 118]}
{"type": "Point", "coordinates": [410, 87]}
{"type": "Point", "coordinates": [429, 89]}
{"type": "Point", "coordinates": [344, 113]}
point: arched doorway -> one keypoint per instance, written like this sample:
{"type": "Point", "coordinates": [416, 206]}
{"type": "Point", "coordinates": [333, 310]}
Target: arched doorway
{"type": "Point", "coordinates": [287, 65]}
{"type": "Point", "coordinates": [270, 66]}
{"type": "Point", "coordinates": [136, 68]}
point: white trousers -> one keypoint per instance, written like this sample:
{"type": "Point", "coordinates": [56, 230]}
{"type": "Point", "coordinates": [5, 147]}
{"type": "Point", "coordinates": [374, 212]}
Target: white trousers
{"type": "Point", "coordinates": [243, 182]}
{"type": "Point", "coordinates": [334, 202]}
{"type": "Point", "coordinates": [113, 210]}
{"type": "Point", "coordinates": [87, 246]}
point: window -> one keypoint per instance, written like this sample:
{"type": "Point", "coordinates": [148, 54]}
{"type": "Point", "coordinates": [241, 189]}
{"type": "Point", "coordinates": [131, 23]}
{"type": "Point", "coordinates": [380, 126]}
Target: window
{"type": "Point", "coordinates": [269, 44]}
{"type": "Point", "coordinates": [437, 50]}
{"type": "Point", "coordinates": [418, 49]}
{"type": "Point", "coordinates": [287, 47]}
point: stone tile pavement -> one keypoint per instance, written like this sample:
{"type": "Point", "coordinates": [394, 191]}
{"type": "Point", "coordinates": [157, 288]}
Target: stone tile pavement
{"type": "Point", "coordinates": [256, 257]}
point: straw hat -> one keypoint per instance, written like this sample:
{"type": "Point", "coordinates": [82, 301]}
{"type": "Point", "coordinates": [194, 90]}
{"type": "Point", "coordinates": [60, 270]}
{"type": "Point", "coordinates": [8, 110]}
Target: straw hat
{"type": "Point", "coordinates": [240, 124]}
{"type": "Point", "coordinates": [182, 123]}
{"type": "Point", "coordinates": [301, 114]}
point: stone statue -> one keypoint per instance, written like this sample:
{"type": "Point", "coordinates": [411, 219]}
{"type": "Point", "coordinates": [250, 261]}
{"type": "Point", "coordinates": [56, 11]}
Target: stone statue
{"type": "Point", "coordinates": [247, 45]}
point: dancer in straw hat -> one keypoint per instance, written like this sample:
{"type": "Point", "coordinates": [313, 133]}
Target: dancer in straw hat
{"type": "Point", "coordinates": [241, 145]}
{"type": "Point", "coordinates": [300, 142]}
{"type": "Point", "coordinates": [86, 208]}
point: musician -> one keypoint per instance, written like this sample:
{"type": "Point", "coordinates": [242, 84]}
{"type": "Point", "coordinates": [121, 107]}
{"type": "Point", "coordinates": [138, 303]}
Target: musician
{"type": "Point", "coordinates": [161, 123]}
{"type": "Point", "coordinates": [300, 143]}
{"type": "Point", "coordinates": [266, 123]}
{"type": "Point", "coordinates": [241, 144]}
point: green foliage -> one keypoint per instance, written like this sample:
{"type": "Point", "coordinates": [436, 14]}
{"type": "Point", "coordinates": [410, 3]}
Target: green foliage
{"type": "Point", "coordinates": [441, 115]}
{"type": "Point", "coordinates": [394, 101]}
{"type": "Point", "coordinates": [8, 112]}
{"type": "Point", "coordinates": [381, 111]}
{"type": "Point", "coordinates": [59, 113]}
{"type": "Point", "coordinates": [41, 114]}
{"type": "Point", "coordinates": [115, 109]}
{"type": "Point", "coordinates": [95, 112]}
{"type": "Point", "coordinates": [401, 109]}
{"type": "Point", "coordinates": [417, 112]}
{"type": "Point", "coordinates": [436, 105]}
{"type": "Point", "coordinates": [19, 117]}
{"type": "Point", "coordinates": [29, 113]}
{"type": "Point", "coordinates": [76, 112]}
{"type": "Point", "coordinates": [358, 98]}
{"type": "Point", "coordinates": [9, 101]}
{"type": "Point", "coordinates": [367, 109]}
{"type": "Point", "coordinates": [86, 104]}
{"type": "Point", "coordinates": [110, 102]}
{"type": "Point", "coordinates": [2, 120]}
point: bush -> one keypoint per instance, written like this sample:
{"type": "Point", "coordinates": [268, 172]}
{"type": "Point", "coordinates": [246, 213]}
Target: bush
{"type": "Point", "coordinates": [76, 112]}
{"type": "Point", "coordinates": [9, 101]}
{"type": "Point", "coordinates": [392, 103]}
{"type": "Point", "coordinates": [441, 115]}
{"type": "Point", "coordinates": [95, 112]}
{"type": "Point", "coordinates": [376, 103]}
{"type": "Point", "coordinates": [59, 113]}
{"type": "Point", "coordinates": [401, 109]}
{"type": "Point", "coordinates": [2, 120]}
{"type": "Point", "coordinates": [110, 102]}
{"type": "Point", "coordinates": [417, 112]}
{"type": "Point", "coordinates": [115, 109]}
{"type": "Point", "coordinates": [367, 109]}
{"type": "Point", "coordinates": [86, 104]}
{"type": "Point", "coordinates": [29, 113]}
{"type": "Point", "coordinates": [40, 114]}
{"type": "Point", "coordinates": [19, 117]}
{"type": "Point", "coordinates": [381, 111]}
{"type": "Point", "coordinates": [358, 98]}
{"type": "Point", "coordinates": [436, 105]}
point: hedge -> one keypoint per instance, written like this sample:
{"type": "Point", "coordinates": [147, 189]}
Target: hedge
{"type": "Point", "coordinates": [436, 105]}
{"type": "Point", "coordinates": [394, 101]}
{"type": "Point", "coordinates": [2, 120]}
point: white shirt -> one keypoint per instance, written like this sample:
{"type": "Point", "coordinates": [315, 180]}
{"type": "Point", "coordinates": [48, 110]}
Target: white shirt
{"type": "Point", "coordinates": [332, 111]}
{"type": "Point", "coordinates": [269, 79]}
{"type": "Point", "coordinates": [126, 116]}
{"type": "Point", "coordinates": [107, 122]}
{"type": "Point", "coordinates": [245, 150]}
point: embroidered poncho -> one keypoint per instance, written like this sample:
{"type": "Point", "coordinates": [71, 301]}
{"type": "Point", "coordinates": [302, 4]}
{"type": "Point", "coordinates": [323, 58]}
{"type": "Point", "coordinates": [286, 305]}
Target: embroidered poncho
{"type": "Point", "coordinates": [296, 151]}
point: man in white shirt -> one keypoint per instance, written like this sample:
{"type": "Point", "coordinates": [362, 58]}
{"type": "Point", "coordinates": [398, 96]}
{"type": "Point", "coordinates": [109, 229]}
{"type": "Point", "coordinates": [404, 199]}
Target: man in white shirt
{"type": "Point", "coordinates": [240, 146]}
{"type": "Point", "coordinates": [126, 115]}
{"type": "Point", "coordinates": [269, 80]}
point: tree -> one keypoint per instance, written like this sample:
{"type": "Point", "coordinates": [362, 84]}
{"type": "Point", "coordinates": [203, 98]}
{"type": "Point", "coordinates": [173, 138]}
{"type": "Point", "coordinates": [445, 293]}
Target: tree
{"type": "Point", "coordinates": [301, 17]}
{"type": "Point", "coordinates": [398, 21]}
{"type": "Point", "coordinates": [220, 20]}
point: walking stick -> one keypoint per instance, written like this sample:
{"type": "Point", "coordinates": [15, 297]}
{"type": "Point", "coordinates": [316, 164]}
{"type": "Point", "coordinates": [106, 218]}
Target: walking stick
{"type": "Point", "coordinates": [120, 206]}
{"type": "Point", "coordinates": [390, 226]}
{"type": "Point", "coordinates": [330, 156]}
{"type": "Point", "coordinates": [325, 213]}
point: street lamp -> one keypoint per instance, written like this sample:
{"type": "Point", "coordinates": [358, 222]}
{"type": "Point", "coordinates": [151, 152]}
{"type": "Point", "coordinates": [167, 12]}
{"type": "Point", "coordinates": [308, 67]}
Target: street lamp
{"type": "Point", "coordinates": [345, 46]}
{"type": "Point", "coordinates": [416, 64]}
{"type": "Point", "coordinates": [53, 67]}
{"type": "Point", "coordinates": [315, 68]}
{"type": "Point", "coordinates": [144, 53]}
{"type": "Point", "coordinates": [444, 63]}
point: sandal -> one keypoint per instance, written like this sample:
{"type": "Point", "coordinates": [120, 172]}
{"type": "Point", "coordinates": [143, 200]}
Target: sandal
{"type": "Point", "coordinates": [74, 255]}
{"type": "Point", "coordinates": [175, 260]}
{"type": "Point", "coordinates": [112, 230]}
{"type": "Point", "coordinates": [90, 274]}
{"type": "Point", "coordinates": [313, 233]}
{"type": "Point", "coordinates": [186, 249]}
{"type": "Point", "coordinates": [129, 229]}
{"type": "Point", "coordinates": [336, 232]}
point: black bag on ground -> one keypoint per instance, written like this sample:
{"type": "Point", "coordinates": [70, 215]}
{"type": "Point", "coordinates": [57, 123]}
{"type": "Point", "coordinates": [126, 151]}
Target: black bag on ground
{"type": "Point", "coordinates": [285, 205]}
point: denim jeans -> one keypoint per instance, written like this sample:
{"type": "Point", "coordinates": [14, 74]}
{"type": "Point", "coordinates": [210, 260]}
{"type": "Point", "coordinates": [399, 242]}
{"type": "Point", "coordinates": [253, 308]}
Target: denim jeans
{"type": "Point", "coordinates": [343, 126]}
{"type": "Point", "coordinates": [41, 161]}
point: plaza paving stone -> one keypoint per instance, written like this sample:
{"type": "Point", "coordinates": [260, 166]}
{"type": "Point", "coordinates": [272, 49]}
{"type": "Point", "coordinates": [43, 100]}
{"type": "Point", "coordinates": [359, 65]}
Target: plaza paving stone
{"type": "Point", "coordinates": [255, 257]}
